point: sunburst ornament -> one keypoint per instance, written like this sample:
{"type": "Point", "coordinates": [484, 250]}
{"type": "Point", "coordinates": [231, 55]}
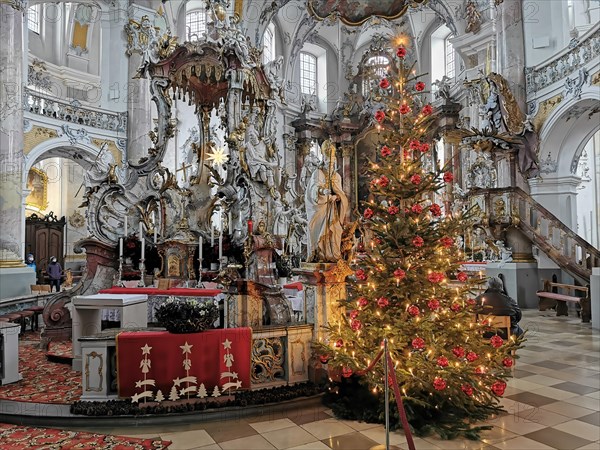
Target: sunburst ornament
{"type": "Point", "coordinates": [218, 157]}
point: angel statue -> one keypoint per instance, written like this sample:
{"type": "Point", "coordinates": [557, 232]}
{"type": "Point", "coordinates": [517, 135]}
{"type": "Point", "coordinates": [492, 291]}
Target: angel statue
{"type": "Point", "coordinates": [326, 207]}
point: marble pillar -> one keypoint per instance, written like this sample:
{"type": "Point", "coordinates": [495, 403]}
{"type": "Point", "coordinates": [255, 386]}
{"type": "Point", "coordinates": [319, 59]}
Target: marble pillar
{"type": "Point", "coordinates": [12, 222]}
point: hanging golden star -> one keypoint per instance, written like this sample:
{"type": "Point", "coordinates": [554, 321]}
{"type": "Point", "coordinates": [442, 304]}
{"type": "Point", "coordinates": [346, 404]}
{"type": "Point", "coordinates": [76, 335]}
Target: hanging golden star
{"type": "Point", "coordinates": [218, 157]}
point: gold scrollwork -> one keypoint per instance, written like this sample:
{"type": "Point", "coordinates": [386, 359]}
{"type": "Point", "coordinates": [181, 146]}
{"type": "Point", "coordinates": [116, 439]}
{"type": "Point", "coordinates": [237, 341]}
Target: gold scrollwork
{"type": "Point", "coordinates": [267, 360]}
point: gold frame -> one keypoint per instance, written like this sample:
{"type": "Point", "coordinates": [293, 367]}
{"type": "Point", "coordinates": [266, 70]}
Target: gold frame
{"type": "Point", "coordinates": [35, 202]}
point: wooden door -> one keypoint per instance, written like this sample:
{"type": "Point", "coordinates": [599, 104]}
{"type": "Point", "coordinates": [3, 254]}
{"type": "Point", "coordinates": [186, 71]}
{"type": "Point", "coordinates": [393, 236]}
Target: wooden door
{"type": "Point", "coordinates": [44, 238]}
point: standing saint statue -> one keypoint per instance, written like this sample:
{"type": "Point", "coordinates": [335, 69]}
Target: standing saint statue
{"type": "Point", "coordinates": [326, 207]}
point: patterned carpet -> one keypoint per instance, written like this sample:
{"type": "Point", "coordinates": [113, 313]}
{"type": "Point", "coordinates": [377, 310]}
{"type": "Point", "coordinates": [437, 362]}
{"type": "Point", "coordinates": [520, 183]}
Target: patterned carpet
{"type": "Point", "coordinates": [43, 381]}
{"type": "Point", "coordinates": [14, 437]}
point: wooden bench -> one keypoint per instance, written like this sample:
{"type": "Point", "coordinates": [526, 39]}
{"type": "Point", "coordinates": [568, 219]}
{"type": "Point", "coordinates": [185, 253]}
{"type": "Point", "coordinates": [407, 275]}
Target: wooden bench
{"type": "Point", "coordinates": [549, 299]}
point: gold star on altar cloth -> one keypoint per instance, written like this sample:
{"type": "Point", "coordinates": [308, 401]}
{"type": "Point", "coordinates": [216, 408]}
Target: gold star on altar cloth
{"type": "Point", "coordinates": [146, 349]}
{"type": "Point", "coordinates": [186, 348]}
{"type": "Point", "coordinates": [227, 343]}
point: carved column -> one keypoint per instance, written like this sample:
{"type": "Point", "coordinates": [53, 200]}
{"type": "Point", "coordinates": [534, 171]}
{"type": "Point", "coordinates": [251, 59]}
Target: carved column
{"type": "Point", "coordinates": [12, 223]}
{"type": "Point", "coordinates": [139, 107]}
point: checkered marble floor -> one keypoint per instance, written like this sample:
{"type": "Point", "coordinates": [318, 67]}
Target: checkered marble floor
{"type": "Point", "coordinates": [553, 402]}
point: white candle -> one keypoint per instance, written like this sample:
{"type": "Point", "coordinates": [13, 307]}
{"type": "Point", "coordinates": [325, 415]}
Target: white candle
{"type": "Point", "coordinates": [220, 249]}
{"type": "Point", "coordinates": [230, 221]}
{"type": "Point", "coordinates": [143, 248]}
{"type": "Point", "coordinates": [200, 251]}
{"type": "Point", "coordinates": [125, 226]}
{"type": "Point", "coordinates": [154, 226]}
{"type": "Point", "coordinates": [212, 235]}
{"type": "Point", "coordinates": [120, 247]}
{"type": "Point", "coordinates": [141, 231]}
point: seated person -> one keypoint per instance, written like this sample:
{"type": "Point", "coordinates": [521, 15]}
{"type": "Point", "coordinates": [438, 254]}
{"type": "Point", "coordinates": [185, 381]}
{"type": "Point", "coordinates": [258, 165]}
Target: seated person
{"type": "Point", "coordinates": [495, 302]}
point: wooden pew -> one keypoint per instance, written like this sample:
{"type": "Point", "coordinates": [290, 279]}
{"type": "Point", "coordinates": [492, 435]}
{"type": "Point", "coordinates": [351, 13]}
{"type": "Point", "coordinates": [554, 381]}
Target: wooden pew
{"type": "Point", "coordinates": [550, 299]}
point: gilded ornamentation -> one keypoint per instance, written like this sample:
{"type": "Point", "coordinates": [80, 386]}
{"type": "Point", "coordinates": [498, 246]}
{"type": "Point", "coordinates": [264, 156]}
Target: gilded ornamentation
{"type": "Point", "coordinates": [36, 136]}
{"type": "Point", "coordinates": [473, 18]}
{"type": "Point", "coordinates": [545, 109]}
{"type": "Point", "coordinates": [267, 360]}
{"type": "Point", "coordinates": [595, 78]}
{"type": "Point", "coordinates": [88, 358]}
{"type": "Point", "coordinates": [37, 184]}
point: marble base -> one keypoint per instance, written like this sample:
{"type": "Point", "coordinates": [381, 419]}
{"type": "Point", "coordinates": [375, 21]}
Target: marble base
{"type": "Point", "coordinates": [595, 297]}
{"type": "Point", "coordinates": [98, 381]}
{"type": "Point", "coordinates": [16, 281]}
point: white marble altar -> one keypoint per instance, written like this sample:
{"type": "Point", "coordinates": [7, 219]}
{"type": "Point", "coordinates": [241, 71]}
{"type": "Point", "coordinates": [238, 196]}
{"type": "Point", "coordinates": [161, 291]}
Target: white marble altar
{"type": "Point", "coordinates": [9, 358]}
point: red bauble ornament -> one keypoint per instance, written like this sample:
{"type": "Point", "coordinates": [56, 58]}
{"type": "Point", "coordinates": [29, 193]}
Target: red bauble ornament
{"type": "Point", "coordinates": [424, 148]}
{"type": "Point", "coordinates": [404, 109]}
{"type": "Point", "coordinates": [442, 361]}
{"type": "Point", "coordinates": [419, 86]}
{"type": "Point", "coordinates": [379, 116]}
{"type": "Point", "coordinates": [393, 210]}
{"type": "Point", "coordinates": [427, 110]}
{"type": "Point", "coordinates": [361, 275]}
{"type": "Point", "coordinates": [435, 277]}
{"type": "Point", "coordinates": [417, 209]}
{"type": "Point", "coordinates": [459, 352]}
{"type": "Point", "coordinates": [448, 177]}
{"type": "Point", "coordinates": [435, 210]}
{"type": "Point", "coordinates": [455, 307]}
{"type": "Point", "coordinates": [339, 343]}
{"type": "Point", "coordinates": [471, 301]}
{"type": "Point", "coordinates": [385, 151]}
{"type": "Point", "coordinates": [415, 179]}
{"type": "Point", "coordinates": [447, 241]}
{"type": "Point", "coordinates": [439, 384]}
{"type": "Point", "coordinates": [467, 389]}
{"type": "Point", "coordinates": [418, 343]}
{"type": "Point", "coordinates": [508, 362]}
{"type": "Point", "coordinates": [418, 241]}
{"type": "Point", "coordinates": [363, 301]}
{"type": "Point", "coordinates": [368, 213]}
{"type": "Point", "coordinates": [472, 356]}
{"type": "Point", "coordinates": [414, 310]}
{"type": "Point", "coordinates": [346, 372]}
{"type": "Point", "coordinates": [399, 274]}
{"type": "Point", "coordinates": [384, 83]}
{"type": "Point", "coordinates": [384, 181]}
{"type": "Point", "coordinates": [433, 304]}
{"type": "Point", "coordinates": [462, 277]}
{"type": "Point", "coordinates": [354, 314]}
{"type": "Point", "coordinates": [401, 52]}
{"type": "Point", "coordinates": [479, 370]}
{"type": "Point", "coordinates": [356, 325]}
{"type": "Point", "coordinates": [414, 145]}
{"type": "Point", "coordinates": [382, 302]}
{"type": "Point", "coordinates": [496, 341]}
{"type": "Point", "coordinates": [498, 388]}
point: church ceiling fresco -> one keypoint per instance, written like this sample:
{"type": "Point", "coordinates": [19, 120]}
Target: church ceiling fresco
{"type": "Point", "coordinates": [353, 12]}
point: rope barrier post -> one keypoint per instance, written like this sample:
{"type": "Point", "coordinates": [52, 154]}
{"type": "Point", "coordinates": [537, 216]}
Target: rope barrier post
{"type": "Point", "coordinates": [386, 392]}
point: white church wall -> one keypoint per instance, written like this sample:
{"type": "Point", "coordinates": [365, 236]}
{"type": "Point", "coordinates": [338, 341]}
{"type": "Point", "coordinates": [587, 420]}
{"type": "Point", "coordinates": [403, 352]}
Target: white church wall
{"type": "Point", "coordinates": [546, 29]}
{"type": "Point", "coordinates": [588, 198]}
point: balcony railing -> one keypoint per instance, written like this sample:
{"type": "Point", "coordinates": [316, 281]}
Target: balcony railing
{"type": "Point", "coordinates": [48, 106]}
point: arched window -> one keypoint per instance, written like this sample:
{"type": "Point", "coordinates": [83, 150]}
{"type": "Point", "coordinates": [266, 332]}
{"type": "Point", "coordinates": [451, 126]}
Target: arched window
{"type": "Point", "coordinates": [376, 68]}
{"type": "Point", "coordinates": [442, 55]}
{"type": "Point", "coordinates": [308, 74]}
{"type": "Point", "coordinates": [195, 24]}
{"type": "Point", "coordinates": [34, 13]}
{"type": "Point", "coordinates": [269, 44]}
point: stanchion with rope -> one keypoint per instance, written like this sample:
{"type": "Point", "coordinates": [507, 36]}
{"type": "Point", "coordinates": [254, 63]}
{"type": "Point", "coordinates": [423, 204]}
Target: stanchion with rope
{"type": "Point", "coordinates": [388, 370]}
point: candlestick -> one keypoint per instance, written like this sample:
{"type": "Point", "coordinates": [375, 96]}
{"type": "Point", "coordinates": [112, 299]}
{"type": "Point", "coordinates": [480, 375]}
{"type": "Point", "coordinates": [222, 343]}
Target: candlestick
{"type": "Point", "coordinates": [221, 249]}
{"type": "Point", "coordinates": [143, 248]}
{"type": "Point", "coordinates": [125, 226]}
{"type": "Point", "coordinates": [141, 230]}
{"type": "Point", "coordinates": [200, 251]}
{"type": "Point", "coordinates": [120, 247]}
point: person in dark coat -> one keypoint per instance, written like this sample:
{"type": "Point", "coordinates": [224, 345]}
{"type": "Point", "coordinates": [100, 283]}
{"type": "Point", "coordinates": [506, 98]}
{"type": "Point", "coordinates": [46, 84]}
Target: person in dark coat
{"type": "Point", "coordinates": [493, 301]}
{"type": "Point", "coordinates": [54, 273]}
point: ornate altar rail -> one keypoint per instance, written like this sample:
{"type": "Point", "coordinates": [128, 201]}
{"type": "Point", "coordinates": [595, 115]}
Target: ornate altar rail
{"type": "Point", "coordinates": [48, 106]}
{"type": "Point", "coordinates": [571, 252]}
{"type": "Point", "coordinates": [565, 62]}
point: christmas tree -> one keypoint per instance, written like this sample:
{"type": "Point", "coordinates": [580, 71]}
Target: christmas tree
{"type": "Point", "coordinates": [409, 288]}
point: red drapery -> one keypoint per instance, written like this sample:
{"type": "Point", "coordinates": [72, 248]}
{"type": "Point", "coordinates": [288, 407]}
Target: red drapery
{"type": "Point", "coordinates": [214, 357]}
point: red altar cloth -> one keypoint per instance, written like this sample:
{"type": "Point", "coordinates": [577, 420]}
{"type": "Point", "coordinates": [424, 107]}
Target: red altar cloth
{"type": "Point", "coordinates": [215, 358]}
{"type": "Point", "coordinates": [182, 292]}
{"type": "Point", "coordinates": [295, 285]}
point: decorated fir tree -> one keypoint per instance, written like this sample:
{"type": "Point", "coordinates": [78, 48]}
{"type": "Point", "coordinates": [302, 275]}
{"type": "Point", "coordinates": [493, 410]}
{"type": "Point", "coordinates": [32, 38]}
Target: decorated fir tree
{"type": "Point", "coordinates": [409, 288]}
